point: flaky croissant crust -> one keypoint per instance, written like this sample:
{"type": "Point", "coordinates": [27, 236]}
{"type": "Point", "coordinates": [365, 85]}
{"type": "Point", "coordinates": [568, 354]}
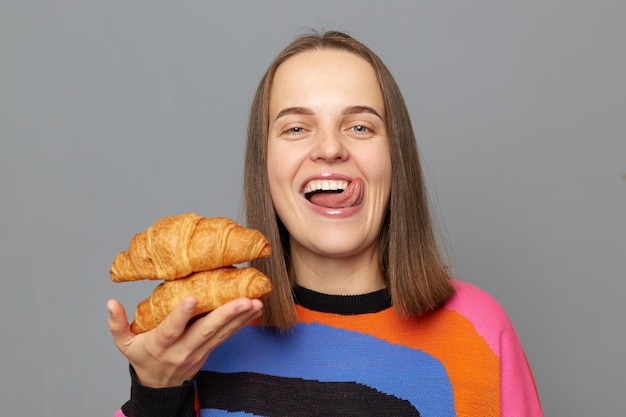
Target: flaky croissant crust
{"type": "Point", "coordinates": [176, 246]}
{"type": "Point", "coordinates": [211, 288]}
{"type": "Point", "coordinates": [195, 256]}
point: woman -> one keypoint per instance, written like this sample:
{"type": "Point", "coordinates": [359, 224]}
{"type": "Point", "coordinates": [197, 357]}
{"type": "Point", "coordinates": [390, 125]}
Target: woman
{"type": "Point", "coordinates": [363, 319]}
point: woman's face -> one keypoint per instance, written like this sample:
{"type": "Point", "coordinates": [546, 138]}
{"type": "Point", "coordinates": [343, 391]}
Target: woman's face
{"type": "Point", "coordinates": [328, 161]}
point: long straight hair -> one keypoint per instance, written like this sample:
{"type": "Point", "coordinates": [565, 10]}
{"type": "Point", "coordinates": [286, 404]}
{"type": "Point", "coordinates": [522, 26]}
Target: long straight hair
{"type": "Point", "coordinates": [412, 265]}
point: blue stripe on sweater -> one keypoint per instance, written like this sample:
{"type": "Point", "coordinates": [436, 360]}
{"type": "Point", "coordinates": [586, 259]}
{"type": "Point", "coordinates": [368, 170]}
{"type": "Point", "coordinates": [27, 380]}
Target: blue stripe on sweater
{"type": "Point", "coordinates": [328, 354]}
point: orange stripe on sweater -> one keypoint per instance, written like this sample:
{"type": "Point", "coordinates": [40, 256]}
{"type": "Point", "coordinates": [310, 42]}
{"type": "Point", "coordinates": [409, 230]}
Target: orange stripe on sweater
{"type": "Point", "coordinates": [473, 368]}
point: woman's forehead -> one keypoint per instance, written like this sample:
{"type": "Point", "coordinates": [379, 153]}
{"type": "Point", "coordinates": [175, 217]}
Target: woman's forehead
{"type": "Point", "coordinates": [325, 77]}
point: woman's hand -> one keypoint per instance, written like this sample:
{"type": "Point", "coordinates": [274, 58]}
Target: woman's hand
{"type": "Point", "coordinates": [172, 353]}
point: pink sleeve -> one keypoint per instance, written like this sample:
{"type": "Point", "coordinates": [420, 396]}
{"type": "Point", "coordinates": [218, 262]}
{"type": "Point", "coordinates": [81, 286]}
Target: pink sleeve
{"type": "Point", "coordinates": [519, 395]}
{"type": "Point", "coordinates": [119, 413]}
{"type": "Point", "coordinates": [518, 391]}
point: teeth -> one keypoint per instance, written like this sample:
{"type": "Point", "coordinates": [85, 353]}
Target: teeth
{"type": "Point", "coordinates": [325, 185]}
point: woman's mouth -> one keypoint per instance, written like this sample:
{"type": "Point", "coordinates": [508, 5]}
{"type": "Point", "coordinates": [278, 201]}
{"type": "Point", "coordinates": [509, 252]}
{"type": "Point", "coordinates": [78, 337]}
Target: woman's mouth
{"type": "Point", "coordinates": [334, 193]}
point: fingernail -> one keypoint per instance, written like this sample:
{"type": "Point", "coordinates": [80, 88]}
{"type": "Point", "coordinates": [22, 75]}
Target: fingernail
{"type": "Point", "coordinates": [242, 308]}
{"type": "Point", "coordinates": [189, 304]}
{"type": "Point", "coordinates": [109, 310]}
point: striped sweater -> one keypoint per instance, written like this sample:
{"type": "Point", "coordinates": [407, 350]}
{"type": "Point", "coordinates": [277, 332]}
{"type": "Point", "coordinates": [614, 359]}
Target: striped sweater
{"type": "Point", "coordinates": [353, 356]}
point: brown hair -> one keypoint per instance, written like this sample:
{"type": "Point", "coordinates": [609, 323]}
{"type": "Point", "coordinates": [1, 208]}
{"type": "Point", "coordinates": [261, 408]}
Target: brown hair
{"type": "Point", "coordinates": [410, 260]}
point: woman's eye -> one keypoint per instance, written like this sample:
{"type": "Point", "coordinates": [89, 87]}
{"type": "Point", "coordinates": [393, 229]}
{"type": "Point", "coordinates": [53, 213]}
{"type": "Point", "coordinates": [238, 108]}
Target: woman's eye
{"type": "Point", "coordinates": [360, 129]}
{"type": "Point", "coordinates": [295, 130]}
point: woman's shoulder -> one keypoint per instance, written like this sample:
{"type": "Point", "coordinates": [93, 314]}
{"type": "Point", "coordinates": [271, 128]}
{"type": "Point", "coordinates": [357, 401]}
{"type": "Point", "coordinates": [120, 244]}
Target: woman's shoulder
{"type": "Point", "coordinates": [485, 312]}
{"type": "Point", "coordinates": [473, 299]}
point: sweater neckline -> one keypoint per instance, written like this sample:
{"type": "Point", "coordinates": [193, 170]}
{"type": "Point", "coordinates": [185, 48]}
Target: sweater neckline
{"type": "Point", "coordinates": [346, 305]}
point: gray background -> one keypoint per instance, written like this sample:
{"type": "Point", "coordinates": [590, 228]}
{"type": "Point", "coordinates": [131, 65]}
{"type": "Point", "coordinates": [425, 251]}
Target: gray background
{"type": "Point", "coordinates": [115, 113]}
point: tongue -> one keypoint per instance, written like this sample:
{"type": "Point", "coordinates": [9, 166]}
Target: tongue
{"type": "Point", "coordinates": [351, 196]}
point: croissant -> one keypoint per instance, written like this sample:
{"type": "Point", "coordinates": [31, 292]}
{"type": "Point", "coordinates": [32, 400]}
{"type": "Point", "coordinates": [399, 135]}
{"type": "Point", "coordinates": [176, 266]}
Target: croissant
{"type": "Point", "coordinates": [211, 288]}
{"type": "Point", "coordinates": [176, 246]}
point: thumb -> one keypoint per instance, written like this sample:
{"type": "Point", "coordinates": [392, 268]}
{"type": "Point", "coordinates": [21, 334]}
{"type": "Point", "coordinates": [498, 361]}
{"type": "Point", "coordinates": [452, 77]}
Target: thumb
{"type": "Point", "coordinates": [118, 322]}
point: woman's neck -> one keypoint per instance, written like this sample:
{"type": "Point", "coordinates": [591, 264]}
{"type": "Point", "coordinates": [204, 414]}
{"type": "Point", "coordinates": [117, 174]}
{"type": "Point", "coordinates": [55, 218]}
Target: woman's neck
{"type": "Point", "coordinates": [358, 274]}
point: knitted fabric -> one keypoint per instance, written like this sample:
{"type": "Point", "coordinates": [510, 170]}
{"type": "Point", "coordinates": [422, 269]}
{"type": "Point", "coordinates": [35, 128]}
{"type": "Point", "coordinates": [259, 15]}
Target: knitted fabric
{"type": "Point", "coordinates": [463, 359]}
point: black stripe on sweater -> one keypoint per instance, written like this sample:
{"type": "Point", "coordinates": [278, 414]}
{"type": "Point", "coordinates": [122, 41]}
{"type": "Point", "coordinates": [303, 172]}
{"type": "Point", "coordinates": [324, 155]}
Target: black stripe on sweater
{"type": "Point", "coordinates": [274, 396]}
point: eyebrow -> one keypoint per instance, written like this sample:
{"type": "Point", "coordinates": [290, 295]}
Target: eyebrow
{"type": "Point", "coordinates": [293, 110]}
{"type": "Point", "coordinates": [362, 109]}
{"type": "Point", "coordinates": [309, 112]}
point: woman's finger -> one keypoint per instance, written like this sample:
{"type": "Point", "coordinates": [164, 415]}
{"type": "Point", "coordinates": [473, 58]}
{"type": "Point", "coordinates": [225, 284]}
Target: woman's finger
{"type": "Point", "coordinates": [170, 330]}
{"type": "Point", "coordinates": [210, 331]}
{"type": "Point", "coordinates": [118, 323]}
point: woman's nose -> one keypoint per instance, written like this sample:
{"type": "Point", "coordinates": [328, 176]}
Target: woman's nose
{"type": "Point", "coordinates": [329, 145]}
